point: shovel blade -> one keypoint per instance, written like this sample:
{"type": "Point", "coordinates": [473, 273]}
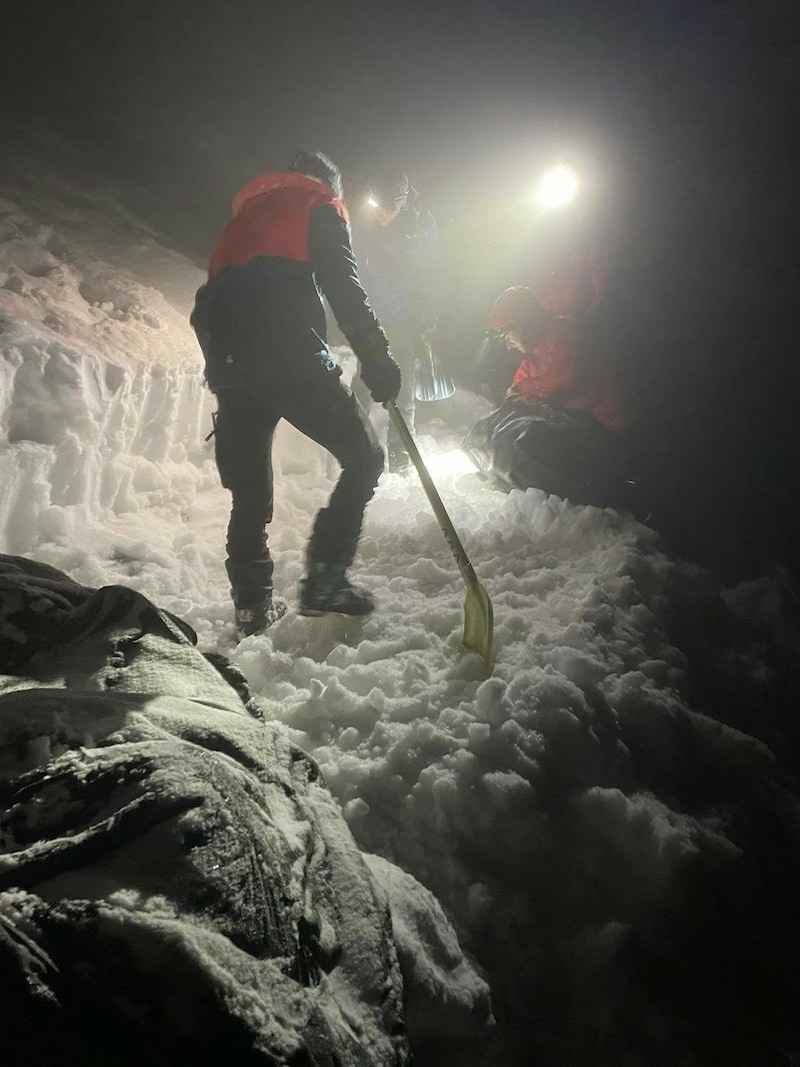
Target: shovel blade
{"type": "Point", "coordinates": [479, 622]}
{"type": "Point", "coordinates": [432, 380]}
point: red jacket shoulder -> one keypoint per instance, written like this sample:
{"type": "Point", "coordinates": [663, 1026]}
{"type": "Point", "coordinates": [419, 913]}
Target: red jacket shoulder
{"type": "Point", "coordinates": [271, 218]}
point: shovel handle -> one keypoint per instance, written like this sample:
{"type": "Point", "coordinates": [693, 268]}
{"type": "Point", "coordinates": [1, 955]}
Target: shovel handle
{"type": "Point", "coordinates": [478, 611]}
{"type": "Point", "coordinates": [439, 510]}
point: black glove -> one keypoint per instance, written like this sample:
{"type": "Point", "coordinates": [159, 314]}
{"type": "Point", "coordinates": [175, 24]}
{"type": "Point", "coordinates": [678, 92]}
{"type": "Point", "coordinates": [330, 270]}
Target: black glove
{"type": "Point", "coordinates": [381, 375]}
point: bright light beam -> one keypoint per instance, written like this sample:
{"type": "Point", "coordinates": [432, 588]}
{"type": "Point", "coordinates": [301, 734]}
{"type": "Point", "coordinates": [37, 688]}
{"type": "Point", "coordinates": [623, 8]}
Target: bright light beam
{"type": "Point", "coordinates": [450, 464]}
{"type": "Point", "coordinates": [557, 187]}
{"type": "Point", "coordinates": [371, 201]}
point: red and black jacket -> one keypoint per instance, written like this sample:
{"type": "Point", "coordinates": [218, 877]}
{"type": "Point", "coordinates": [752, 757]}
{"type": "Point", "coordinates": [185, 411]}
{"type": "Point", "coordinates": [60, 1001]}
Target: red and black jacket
{"type": "Point", "coordinates": [287, 245]}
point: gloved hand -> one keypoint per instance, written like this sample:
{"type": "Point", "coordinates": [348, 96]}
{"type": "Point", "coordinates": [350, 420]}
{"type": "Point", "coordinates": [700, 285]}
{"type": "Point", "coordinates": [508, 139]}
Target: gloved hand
{"type": "Point", "coordinates": [381, 375]}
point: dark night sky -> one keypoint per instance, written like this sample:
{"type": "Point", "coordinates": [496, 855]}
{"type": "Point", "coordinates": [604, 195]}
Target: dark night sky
{"type": "Point", "coordinates": [679, 114]}
{"type": "Point", "coordinates": [478, 87]}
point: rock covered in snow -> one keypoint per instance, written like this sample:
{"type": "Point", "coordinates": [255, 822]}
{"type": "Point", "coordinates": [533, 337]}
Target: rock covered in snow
{"type": "Point", "coordinates": [176, 883]}
{"type": "Point", "coordinates": [446, 1001]}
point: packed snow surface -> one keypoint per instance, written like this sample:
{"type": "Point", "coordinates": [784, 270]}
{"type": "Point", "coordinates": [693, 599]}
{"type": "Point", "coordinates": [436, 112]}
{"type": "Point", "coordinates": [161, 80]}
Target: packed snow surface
{"type": "Point", "coordinates": [542, 803]}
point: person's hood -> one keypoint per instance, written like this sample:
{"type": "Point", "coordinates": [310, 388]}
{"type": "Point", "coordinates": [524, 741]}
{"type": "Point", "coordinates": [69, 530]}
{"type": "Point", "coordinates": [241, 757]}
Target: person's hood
{"type": "Point", "coordinates": [268, 183]}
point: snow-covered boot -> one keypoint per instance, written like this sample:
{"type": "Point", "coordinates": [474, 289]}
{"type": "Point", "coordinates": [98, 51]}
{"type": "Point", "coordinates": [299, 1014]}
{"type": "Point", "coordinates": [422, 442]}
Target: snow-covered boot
{"type": "Point", "coordinates": [256, 618]}
{"type": "Point", "coordinates": [399, 460]}
{"type": "Point", "coordinates": [326, 588]}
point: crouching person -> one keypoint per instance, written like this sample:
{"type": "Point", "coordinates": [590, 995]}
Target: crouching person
{"type": "Point", "coordinates": [261, 324]}
{"type": "Point", "coordinates": [558, 427]}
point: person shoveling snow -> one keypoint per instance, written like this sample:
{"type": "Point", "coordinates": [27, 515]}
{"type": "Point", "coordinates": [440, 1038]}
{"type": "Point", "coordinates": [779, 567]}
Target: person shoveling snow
{"type": "Point", "coordinates": [261, 324]}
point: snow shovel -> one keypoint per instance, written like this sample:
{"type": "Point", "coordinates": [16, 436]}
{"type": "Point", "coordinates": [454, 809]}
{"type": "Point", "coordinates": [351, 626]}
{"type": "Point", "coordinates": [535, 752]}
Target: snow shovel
{"type": "Point", "coordinates": [478, 613]}
{"type": "Point", "coordinates": [433, 382]}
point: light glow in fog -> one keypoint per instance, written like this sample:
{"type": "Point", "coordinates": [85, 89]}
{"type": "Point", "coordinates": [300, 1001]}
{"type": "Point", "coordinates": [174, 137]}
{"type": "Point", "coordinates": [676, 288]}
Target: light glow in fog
{"type": "Point", "coordinates": [557, 187]}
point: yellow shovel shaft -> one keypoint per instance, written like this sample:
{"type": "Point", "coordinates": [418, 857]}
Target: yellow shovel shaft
{"type": "Point", "coordinates": [478, 611]}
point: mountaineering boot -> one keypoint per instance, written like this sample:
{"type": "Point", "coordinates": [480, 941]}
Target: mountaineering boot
{"type": "Point", "coordinates": [256, 618]}
{"type": "Point", "coordinates": [326, 589]}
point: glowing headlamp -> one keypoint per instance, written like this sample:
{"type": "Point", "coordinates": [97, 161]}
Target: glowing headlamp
{"type": "Point", "coordinates": [557, 187]}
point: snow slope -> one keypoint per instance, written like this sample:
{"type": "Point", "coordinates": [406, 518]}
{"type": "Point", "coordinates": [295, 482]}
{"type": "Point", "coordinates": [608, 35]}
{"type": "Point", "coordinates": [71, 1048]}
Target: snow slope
{"type": "Point", "coordinates": [600, 844]}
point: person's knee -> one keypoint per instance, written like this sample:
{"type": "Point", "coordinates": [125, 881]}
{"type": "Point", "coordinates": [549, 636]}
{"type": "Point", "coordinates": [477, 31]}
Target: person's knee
{"type": "Point", "coordinates": [251, 504]}
{"type": "Point", "coordinates": [365, 466]}
{"type": "Point", "coordinates": [374, 464]}
{"type": "Point", "coordinates": [237, 470]}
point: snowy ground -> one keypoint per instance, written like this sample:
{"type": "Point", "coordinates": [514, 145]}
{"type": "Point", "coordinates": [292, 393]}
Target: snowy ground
{"type": "Point", "coordinates": [553, 807]}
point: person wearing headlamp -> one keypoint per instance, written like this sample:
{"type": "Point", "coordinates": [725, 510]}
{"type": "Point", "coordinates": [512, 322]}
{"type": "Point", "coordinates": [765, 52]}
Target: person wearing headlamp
{"type": "Point", "coordinates": [397, 243]}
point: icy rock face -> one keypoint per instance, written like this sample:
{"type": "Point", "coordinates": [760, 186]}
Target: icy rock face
{"type": "Point", "coordinates": [89, 437]}
{"type": "Point", "coordinates": [176, 883]}
{"type": "Point", "coordinates": [101, 387]}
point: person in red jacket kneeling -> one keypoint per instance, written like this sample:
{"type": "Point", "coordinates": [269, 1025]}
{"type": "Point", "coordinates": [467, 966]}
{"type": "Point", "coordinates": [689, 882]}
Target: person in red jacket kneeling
{"type": "Point", "coordinates": [563, 404]}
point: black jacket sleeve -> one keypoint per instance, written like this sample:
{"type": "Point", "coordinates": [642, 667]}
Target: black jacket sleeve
{"type": "Point", "coordinates": [336, 272]}
{"type": "Point", "coordinates": [200, 318]}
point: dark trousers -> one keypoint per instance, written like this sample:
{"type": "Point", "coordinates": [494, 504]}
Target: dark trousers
{"type": "Point", "coordinates": [313, 399]}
